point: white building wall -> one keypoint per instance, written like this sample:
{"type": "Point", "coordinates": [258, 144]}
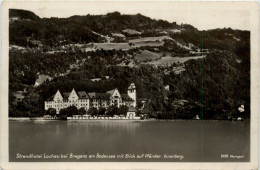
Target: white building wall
{"type": "Point", "coordinates": [83, 103]}
{"type": "Point", "coordinates": [132, 93]}
{"type": "Point", "coordinates": [48, 104]}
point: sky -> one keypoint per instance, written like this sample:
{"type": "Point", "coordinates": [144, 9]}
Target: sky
{"type": "Point", "coordinates": [204, 16]}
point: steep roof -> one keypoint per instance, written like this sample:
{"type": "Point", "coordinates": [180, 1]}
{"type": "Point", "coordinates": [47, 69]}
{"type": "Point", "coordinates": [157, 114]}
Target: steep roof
{"type": "Point", "coordinates": [132, 86]}
{"type": "Point", "coordinates": [132, 109]}
{"type": "Point", "coordinates": [110, 92]}
{"type": "Point", "coordinates": [94, 95]}
{"type": "Point", "coordinates": [65, 95]}
{"type": "Point", "coordinates": [50, 98]}
{"type": "Point", "coordinates": [126, 97]}
{"type": "Point", "coordinates": [83, 95]}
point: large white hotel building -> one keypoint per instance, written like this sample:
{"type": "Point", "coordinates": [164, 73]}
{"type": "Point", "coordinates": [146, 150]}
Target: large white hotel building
{"type": "Point", "coordinates": [87, 100]}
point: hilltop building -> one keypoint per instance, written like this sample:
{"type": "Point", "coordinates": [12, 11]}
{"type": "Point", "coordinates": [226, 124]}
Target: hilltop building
{"type": "Point", "coordinates": [88, 100]}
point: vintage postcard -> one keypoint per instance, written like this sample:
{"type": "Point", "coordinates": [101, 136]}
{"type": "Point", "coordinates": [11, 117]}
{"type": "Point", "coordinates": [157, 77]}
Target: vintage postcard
{"type": "Point", "coordinates": [129, 85]}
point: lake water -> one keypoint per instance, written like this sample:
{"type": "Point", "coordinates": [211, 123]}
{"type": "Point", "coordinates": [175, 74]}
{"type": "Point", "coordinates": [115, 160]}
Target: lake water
{"type": "Point", "coordinates": [181, 141]}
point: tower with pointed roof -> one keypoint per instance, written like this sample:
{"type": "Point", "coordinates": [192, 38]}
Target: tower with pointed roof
{"type": "Point", "coordinates": [132, 93]}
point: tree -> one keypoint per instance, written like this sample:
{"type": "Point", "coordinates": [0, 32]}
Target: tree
{"type": "Point", "coordinates": [51, 112]}
{"type": "Point", "coordinates": [93, 111]}
{"type": "Point", "coordinates": [82, 111]}
{"type": "Point", "coordinates": [63, 114]}
{"type": "Point", "coordinates": [148, 109]}
{"type": "Point", "coordinates": [32, 103]}
{"type": "Point", "coordinates": [72, 110]}
{"type": "Point", "coordinates": [115, 112]}
{"type": "Point", "coordinates": [101, 111]}
{"type": "Point", "coordinates": [112, 110]}
{"type": "Point", "coordinates": [123, 110]}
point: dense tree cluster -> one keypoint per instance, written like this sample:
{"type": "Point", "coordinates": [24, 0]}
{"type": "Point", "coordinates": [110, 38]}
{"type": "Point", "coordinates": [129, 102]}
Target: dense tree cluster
{"type": "Point", "coordinates": [75, 29]}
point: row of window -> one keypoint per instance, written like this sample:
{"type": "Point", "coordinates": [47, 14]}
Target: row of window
{"type": "Point", "coordinates": [85, 105]}
{"type": "Point", "coordinates": [103, 105]}
{"type": "Point", "coordinates": [58, 101]}
{"type": "Point", "coordinates": [96, 100]}
{"type": "Point", "coordinates": [49, 106]}
{"type": "Point", "coordinates": [94, 104]}
{"type": "Point", "coordinates": [82, 101]}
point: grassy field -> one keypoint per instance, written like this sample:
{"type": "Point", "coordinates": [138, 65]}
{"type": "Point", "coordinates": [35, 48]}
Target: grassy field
{"type": "Point", "coordinates": [147, 56]}
{"type": "Point", "coordinates": [149, 39]}
{"type": "Point", "coordinates": [168, 60]}
{"type": "Point", "coordinates": [111, 46]}
{"type": "Point", "coordinates": [121, 46]}
{"type": "Point", "coordinates": [131, 31]}
{"type": "Point", "coordinates": [151, 44]}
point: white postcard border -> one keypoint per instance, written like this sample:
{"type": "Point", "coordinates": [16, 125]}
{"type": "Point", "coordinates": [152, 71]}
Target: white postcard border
{"type": "Point", "coordinates": [253, 164]}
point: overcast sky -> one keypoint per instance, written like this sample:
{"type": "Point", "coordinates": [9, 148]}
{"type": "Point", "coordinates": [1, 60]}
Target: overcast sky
{"type": "Point", "coordinates": [207, 15]}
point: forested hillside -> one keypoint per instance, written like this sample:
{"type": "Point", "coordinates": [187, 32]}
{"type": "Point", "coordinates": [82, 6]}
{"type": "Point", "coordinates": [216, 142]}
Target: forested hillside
{"type": "Point", "coordinates": [208, 72]}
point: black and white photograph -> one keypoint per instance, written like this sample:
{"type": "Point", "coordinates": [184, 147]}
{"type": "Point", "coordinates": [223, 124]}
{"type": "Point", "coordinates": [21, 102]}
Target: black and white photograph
{"type": "Point", "coordinates": [130, 82]}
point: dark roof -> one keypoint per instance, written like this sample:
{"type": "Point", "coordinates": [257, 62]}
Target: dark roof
{"type": "Point", "coordinates": [50, 98]}
{"type": "Point", "coordinates": [94, 95]}
{"type": "Point", "coordinates": [126, 97]}
{"type": "Point", "coordinates": [132, 109]}
{"type": "Point", "coordinates": [110, 92]}
{"type": "Point", "coordinates": [83, 95]}
{"type": "Point", "coordinates": [66, 95]}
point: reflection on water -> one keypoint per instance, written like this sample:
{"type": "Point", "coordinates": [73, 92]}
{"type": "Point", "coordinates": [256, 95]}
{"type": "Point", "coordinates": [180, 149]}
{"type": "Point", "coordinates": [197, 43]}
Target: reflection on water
{"type": "Point", "coordinates": [104, 125]}
{"type": "Point", "coordinates": [195, 140]}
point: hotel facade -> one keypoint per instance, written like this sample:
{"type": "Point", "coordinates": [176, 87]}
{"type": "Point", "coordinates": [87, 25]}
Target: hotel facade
{"type": "Point", "coordinates": [91, 100]}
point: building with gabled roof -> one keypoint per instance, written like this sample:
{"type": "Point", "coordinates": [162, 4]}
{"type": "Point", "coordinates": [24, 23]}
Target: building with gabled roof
{"type": "Point", "coordinates": [86, 100]}
{"type": "Point", "coordinates": [131, 113]}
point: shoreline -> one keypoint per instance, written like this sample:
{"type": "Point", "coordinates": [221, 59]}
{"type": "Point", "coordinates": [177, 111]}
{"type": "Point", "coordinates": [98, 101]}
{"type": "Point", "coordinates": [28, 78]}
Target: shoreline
{"type": "Point", "coordinates": [124, 120]}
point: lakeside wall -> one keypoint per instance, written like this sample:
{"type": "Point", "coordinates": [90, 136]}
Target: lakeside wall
{"type": "Point", "coordinates": [125, 119]}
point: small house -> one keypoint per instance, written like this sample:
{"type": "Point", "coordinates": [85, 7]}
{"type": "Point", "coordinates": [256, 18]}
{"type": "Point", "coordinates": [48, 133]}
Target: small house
{"type": "Point", "coordinates": [131, 113]}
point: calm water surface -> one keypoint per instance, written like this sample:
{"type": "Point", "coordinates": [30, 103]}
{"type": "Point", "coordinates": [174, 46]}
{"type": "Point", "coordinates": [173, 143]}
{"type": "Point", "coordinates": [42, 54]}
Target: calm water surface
{"type": "Point", "coordinates": [196, 141]}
